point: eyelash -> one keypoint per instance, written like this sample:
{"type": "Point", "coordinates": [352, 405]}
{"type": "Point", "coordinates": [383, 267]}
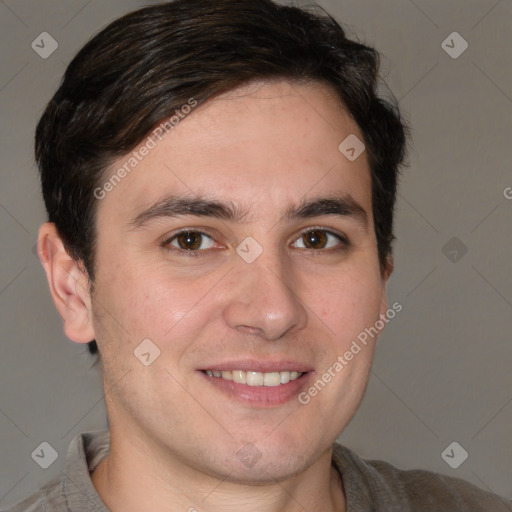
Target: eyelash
{"type": "Point", "coordinates": [344, 242]}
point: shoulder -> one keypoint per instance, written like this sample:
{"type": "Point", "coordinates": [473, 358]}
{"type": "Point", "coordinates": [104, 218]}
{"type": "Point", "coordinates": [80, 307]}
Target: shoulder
{"type": "Point", "coordinates": [417, 490]}
{"type": "Point", "coordinates": [73, 488]}
{"type": "Point", "coordinates": [49, 498]}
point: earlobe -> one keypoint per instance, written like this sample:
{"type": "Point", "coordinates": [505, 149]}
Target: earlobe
{"type": "Point", "coordinates": [389, 267]}
{"type": "Point", "coordinates": [385, 276]}
{"type": "Point", "coordinates": [68, 283]}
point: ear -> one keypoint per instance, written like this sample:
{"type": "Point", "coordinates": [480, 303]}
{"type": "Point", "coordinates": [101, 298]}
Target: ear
{"type": "Point", "coordinates": [68, 283]}
{"type": "Point", "coordinates": [385, 276]}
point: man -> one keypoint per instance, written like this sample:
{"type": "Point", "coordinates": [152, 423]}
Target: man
{"type": "Point", "coordinates": [220, 178]}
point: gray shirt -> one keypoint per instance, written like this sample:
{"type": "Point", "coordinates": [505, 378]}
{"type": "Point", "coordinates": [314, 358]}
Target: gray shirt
{"type": "Point", "coordinates": [369, 485]}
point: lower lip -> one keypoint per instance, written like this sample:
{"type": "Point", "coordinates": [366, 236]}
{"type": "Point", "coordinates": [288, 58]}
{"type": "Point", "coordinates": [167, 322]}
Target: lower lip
{"type": "Point", "coordinates": [260, 396]}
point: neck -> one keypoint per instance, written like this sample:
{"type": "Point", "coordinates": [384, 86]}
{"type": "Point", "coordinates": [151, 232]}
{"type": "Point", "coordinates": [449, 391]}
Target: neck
{"type": "Point", "coordinates": [135, 476]}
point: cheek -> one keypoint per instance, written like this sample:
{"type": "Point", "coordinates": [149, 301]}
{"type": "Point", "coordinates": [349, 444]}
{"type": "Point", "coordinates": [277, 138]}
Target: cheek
{"type": "Point", "coordinates": [350, 303]}
{"type": "Point", "coordinates": [154, 303]}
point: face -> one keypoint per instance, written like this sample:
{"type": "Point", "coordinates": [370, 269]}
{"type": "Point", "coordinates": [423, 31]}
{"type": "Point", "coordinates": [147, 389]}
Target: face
{"type": "Point", "coordinates": [282, 279]}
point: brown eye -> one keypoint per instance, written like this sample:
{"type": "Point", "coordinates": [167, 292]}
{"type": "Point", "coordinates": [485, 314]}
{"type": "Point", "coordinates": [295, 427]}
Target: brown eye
{"type": "Point", "coordinates": [320, 239]}
{"type": "Point", "coordinates": [315, 239]}
{"type": "Point", "coordinates": [191, 241]}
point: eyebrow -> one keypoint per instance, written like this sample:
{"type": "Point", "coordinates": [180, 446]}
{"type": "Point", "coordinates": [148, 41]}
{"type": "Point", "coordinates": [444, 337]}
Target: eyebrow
{"type": "Point", "coordinates": [179, 205]}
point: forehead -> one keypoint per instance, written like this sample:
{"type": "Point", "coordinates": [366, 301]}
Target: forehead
{"type": "Point", "coordinates": [264, 146]}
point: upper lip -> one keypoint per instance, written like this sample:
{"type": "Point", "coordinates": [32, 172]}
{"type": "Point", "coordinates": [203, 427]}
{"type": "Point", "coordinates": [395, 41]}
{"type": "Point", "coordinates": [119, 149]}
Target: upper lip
{"type": "Point", "coordinates": [255, 365]}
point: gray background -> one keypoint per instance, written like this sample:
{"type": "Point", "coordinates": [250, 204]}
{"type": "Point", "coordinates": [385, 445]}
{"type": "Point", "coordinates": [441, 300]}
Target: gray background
{"type": "Point", "coordinates": [442, 366]}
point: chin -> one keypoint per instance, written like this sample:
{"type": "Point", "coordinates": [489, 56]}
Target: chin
{"type": "Point", "coordinates": [268, 462]}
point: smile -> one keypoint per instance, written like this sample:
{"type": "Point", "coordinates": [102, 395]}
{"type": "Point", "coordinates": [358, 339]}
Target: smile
{"type": "Point", "coordinates": [254, 378]}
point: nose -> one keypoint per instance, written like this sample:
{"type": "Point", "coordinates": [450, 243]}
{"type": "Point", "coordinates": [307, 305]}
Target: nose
{"type": "Point", "coordinates": [263, 298]}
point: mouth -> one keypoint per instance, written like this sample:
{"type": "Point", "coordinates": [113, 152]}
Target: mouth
{"type": "Point", "coordinates": [258, 385]}
{"type": "Point", "coordinates": [255, 378]}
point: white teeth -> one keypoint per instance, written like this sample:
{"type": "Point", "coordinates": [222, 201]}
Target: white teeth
{"type": "Point", "coordinates": [252, 378]}
{"type": "Point", "coordinates": [284, 377]}
{"type": "Point", "coordinates": [271, 379]}
{"type": "Point", "coordinates": [239, 376]}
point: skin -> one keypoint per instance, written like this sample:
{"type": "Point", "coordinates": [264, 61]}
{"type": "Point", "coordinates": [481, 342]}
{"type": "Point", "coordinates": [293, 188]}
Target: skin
{"type": "Point", "coordinates": [174, 435]}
